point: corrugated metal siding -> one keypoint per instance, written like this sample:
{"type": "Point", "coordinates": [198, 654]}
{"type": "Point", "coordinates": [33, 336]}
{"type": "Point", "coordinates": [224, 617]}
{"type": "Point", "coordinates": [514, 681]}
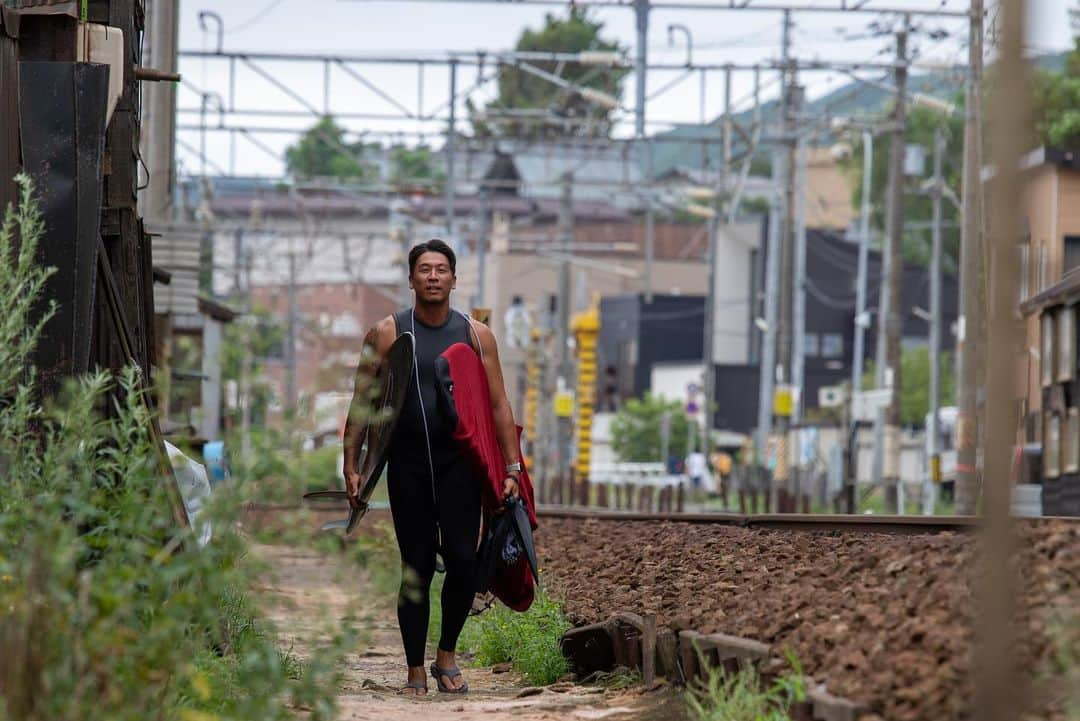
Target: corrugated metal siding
{"type": "Point", "coordinates": [177, 251]}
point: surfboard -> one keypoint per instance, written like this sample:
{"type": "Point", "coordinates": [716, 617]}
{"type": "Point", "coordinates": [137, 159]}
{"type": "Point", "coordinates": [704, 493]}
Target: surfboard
{"type": "Point", "coordinates": [391, 386]}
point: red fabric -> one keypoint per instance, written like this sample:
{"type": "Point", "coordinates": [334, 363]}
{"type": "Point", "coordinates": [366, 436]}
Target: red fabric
{"type": "Point", "coordinates": [476, 432]}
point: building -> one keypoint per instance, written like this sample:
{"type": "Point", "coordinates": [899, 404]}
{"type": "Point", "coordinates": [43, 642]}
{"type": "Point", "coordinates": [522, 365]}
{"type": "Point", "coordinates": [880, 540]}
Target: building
{"type": "Point", "coordinates": [831, 266]}
{"type": "Point", "coordinates": [1050, 251]}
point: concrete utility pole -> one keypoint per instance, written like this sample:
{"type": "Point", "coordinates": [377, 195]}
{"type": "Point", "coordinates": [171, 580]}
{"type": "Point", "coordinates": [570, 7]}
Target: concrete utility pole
{"type": "Point", "coordinates": [709, 379]}
{"type": "Point", "coordinates": [767, 377]}
{"type": "Point", "coordinates": [1001, 683]}
{"type": "Point", "coordinates": [971, 311]}
{"type": "Point", "coordinates": [787, 276]}
{"type": "Point", "coordinates": [644, 146]}
{"type": "Point", "coordinates": [481, 246]}
{"type": "Point", "coordinates": [864, 252]}
{"type": "Point", "coordinates": [798, 313]}
{"type": "Point", "coordinates": [933, 478]}
{"type": "Point", "coordinates": [566, 369]}
{"type": "Point", "coordinates": [290, 342]}
{"type": "Point", "coordinates": [451, 141]}
{"type": "Point", "coordinates": [894, 326]}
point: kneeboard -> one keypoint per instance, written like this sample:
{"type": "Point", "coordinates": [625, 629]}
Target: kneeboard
{"type": "Point", "coordinates": [391, 386]}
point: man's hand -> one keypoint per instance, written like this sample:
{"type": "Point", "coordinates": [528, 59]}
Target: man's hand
{"type": "Point", "coordinates": [352, 487]}
{"type": "Point", "coordinates": [510, 487]}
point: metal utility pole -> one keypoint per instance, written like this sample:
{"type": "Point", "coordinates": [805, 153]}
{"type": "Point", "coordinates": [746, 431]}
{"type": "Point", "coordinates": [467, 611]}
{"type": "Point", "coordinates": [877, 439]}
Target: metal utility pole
{"type": "Point", "coordinates": [451, 141]}
{"type": "Point", "coordinates": [933, 478]}
{"type": "Point", "coordinates": [893, 325]}
{"type": "Point", "coordinates": [864, 253]}
{"type": "Point", "coordinates": [644, 146]}
{"type": "Point", "coordinates": [971, 311]}
{"type": "Point", "coordinates": [159, 110]}
{"type": "Point", "coordinates": [566, 247]}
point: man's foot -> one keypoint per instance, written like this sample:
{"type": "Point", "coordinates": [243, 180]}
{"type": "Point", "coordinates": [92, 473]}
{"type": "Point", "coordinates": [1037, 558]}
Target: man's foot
{"type": "Point", "coordinates": [416, 684]}
{"type": "Point", "coordinates": [446, 673]}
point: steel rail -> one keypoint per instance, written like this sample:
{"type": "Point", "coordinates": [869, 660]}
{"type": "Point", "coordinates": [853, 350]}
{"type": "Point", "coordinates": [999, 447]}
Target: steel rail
{"type": "Point", "coordinates": [766, 521]}
{"type": "Point", "coordinates": [779, 521]}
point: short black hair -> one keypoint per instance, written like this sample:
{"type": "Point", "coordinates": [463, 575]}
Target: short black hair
{"type": "Point", "coordinates": [432, 246]}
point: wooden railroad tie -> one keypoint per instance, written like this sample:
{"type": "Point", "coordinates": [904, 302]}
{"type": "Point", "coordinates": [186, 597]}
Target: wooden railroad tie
{"type": "Point", "coordinates": [634, 641]}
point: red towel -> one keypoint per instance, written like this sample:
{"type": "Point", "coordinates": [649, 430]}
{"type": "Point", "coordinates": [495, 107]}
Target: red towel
{"type": "Point", "coordinates": [463, 382]}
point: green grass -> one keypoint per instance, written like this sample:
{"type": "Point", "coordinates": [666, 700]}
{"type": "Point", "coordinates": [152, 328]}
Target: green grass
{"type": "Point", "coordinates": [529, 641]}
{"type": "Point", "coordinates": [618, 678]}
{"type": "Point", "coordinates": [742, 696]}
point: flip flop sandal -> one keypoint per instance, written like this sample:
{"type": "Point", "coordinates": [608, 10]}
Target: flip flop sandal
{"type": "Point", "coordinates": [417, 686]}
{"type": "Point", "coordinates": [451, 673]}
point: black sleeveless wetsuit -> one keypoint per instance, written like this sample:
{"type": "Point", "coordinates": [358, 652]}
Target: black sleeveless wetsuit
{"type": "Point", "coordinates": [423, 506]}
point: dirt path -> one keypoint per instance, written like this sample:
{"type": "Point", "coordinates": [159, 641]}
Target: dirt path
{"type": "Point", "coordinates": [305, 593]}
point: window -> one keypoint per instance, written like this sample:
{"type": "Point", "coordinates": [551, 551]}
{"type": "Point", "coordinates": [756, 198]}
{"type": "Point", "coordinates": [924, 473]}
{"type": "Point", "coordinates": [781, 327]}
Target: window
{"type": "Point", "coordinates": [1070, 444]}
{"type": "Point", "coordinates": [810, 345]}
{"type": "Point", "coordinates": [1066, 343]}
{"type": "Point", "coordinates": [1072, 253]}
{"type": "Point", "coordinates": [1046, 354]}
{"type": "Point", "coordinates": [832, 345]}
{"type": "Point", "coordinates": [1025, 271]}
{"type": "Point", "coordinates": [1052, 446]}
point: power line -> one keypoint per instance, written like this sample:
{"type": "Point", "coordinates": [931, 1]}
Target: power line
{"type": "Point", "coordinates": [256, 18]}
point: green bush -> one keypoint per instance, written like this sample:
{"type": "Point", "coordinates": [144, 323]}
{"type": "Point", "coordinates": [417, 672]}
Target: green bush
{"type": "Point", "coordinates": [636, 430]}
{"type": "Point", "coordinates": [109, 609]}
{"type": "Point", "coordinates": [529, 641]}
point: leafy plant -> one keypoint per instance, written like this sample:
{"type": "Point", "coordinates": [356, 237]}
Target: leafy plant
{"type": "Point", "coordinates": [742, 696]}
{"type": "Point", "coordinates": [529, 641]}
{"type": "Point", "coordinates": [108, 609]}
{"type": "Point", "coordinates": [636, 431]}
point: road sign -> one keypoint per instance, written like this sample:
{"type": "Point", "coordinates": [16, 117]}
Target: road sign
{"type": "Point", "coordinates": [866, 404]}
{"type": "Point", "coordinates": [564, 404]}
{"type": "Point", "coordinates": [783, 401]}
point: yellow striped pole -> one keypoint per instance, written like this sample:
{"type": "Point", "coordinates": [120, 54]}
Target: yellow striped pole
{"type": "Point", "coordinates": [586, 327]}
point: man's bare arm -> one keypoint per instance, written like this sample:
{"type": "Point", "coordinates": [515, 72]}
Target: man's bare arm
{"type": "Point", "coordinates": [376, 344]}
{"type": "Point", "coordinates": [502, 413]}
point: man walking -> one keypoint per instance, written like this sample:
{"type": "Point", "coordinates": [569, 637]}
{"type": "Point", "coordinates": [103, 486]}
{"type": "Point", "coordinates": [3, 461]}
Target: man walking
{"type": "Point", "coordinates": [434, 496]}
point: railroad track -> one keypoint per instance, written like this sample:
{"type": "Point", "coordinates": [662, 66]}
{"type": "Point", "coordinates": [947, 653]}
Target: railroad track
{"type": "Point", "coordinates": [777, 521]}
{"type": "Point", "coordinates": [771, 521]}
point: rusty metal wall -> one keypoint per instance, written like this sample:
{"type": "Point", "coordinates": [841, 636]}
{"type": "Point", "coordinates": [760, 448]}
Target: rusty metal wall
{"type": "Point", "coordinates": [92, 199]}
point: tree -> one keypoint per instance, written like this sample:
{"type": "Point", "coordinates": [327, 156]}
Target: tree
{"type": "Point", "coordinates": [636, 429]}
{"type": "Point", "coordinates": [922, 123]}
{"type": "Point", "coordinates": [568, 113]}
{"type": "Point", "coordinates": [324, 152]}
{"type": "Point", "coordinates": [915, 394]}
{"type": "Point", "coordinates": [1057, 102]}
{"type": "Point", "coordinates": [416, 168]}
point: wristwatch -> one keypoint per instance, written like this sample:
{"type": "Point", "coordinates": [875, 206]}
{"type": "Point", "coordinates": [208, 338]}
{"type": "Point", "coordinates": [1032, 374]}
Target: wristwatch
{"type": "Point", "coordinates": [511, 467]}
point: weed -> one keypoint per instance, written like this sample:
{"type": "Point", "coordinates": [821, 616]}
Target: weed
{"type": "Point", "coordinates": [618, 678]}
{"type": "Point", "coordinates": [742, 696]}
{"type": "Point", "coordinates": [109, 610]}
{"type": "Point", "coordinates": [530, 640]}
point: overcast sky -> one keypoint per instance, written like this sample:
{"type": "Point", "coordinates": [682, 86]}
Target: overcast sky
{"type": "Point", "coordinates": [362, 27]}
